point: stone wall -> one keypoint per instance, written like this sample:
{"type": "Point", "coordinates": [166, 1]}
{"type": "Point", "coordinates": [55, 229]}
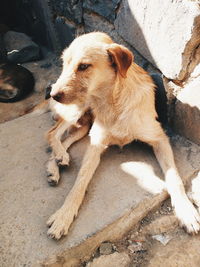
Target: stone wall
{"type": "Point", "coordinates": [164, 37]}
{"type": "Point", "coordinates": [74, 17]}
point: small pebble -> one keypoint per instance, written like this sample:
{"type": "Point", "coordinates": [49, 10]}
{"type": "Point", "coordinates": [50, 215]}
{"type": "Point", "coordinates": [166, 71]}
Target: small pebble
{"type": "Point", "coordinates": [105, 248]}
{"type": "Point", "coordinates": [135, 247]}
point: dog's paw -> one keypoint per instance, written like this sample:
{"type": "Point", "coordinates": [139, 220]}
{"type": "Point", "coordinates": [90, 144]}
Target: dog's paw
{"type": "Point", "coordinates": [59, 223]}
{"type": "Point", "coordinates": [188, 216]}
{"type": "Point", "coordinates": [62, 159]}
{"type": "Point", "coordinates": [53, 175]}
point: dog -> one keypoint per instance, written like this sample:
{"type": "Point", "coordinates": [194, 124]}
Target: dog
{"type": "Point", "coordinates": [16, 82]}
{"type": "Point", "coordinates": [101, 76]}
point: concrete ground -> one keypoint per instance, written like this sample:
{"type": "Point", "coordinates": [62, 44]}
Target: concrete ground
{"type": "Point", "coordinates": [27, 200]}
{"type": "Point", "coordinates": [123, 180]}
{"type": "Point", "coordinates": [125, 187]}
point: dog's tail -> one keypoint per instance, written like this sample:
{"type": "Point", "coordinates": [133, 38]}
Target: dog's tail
{"type": "Point", "coordinates": [40, 108]}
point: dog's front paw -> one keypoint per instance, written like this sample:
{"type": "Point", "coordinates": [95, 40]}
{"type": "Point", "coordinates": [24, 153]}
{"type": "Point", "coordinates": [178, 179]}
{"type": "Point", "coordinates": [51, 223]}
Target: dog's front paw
{"type": "Point", "coordinates": [59, 223]}
{"type": "Point", "coordinates": [53, 175]}
{"type": "Point", "coordinates": [188, 216]}
{"type": "Point", "coordinates": [62, 158]}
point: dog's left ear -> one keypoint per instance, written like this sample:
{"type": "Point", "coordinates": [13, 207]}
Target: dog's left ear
{"type": "Point", "coordinates": [120, 57]}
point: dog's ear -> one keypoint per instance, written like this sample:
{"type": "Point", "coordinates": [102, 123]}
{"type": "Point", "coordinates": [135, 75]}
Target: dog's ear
{"type": "Point", "coordinates": [121, 58]}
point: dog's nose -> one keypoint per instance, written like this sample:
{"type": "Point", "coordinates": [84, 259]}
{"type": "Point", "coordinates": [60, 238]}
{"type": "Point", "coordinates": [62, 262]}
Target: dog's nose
{"type": "Point", "coordinates": [57, 97]}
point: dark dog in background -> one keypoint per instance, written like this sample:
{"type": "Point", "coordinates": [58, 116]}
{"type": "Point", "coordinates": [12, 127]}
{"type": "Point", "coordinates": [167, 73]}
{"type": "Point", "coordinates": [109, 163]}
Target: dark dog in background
{"type": "Point", "coordinates": [16, 82]}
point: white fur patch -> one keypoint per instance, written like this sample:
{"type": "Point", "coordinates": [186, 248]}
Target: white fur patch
{"type": "Point", "coordinates": [70, 112]}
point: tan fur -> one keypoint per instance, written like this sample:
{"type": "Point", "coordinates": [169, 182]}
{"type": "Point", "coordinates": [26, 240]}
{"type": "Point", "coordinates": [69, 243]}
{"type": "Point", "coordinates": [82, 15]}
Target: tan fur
{"type": "Point", "coordinates": [59, 155]}
{"type": "Point", "coordinates": [101, 75]}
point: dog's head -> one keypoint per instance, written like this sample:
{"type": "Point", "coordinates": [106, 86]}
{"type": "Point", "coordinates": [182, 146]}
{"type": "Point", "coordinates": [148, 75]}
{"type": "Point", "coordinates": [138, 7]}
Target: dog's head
{"type": "Point", "coordinates": [91, 63]}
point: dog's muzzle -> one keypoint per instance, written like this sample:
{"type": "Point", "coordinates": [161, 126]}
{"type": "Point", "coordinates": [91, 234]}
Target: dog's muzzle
{"type": "Point", "coordinates": [57, 97]}
{"type": "Point", "coordinates": [48, 94]}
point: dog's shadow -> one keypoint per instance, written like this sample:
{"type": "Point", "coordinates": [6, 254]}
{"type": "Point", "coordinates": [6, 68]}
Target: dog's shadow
{"type": "Point", "coordinates": [144, 170]}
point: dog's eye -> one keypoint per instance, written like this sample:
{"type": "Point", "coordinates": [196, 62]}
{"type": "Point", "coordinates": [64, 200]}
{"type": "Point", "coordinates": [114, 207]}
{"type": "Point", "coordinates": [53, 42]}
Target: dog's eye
{"type": "Point", "coordinates": [82, 67]}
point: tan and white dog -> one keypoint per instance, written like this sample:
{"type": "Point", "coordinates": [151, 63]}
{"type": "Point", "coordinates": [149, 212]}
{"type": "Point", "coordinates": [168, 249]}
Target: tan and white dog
{"type": "Point", "coordinates": [100, 75]}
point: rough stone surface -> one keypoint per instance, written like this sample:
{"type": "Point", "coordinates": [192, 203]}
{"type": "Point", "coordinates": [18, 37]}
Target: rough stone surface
{"type": "Point", "coordinates": [182, 250]}
{"type": "Point", "coordinates": [104, 8]}
{"type": "Point", "coordinates": [162, 37]}
{"type": "Point", "coordinates": [186, 155]}
{"type": "Point", "coordinates": [38, 16]}
{"type": "Point", "coordinates": [113, 260]}
{"type": "Point", "coordinates": [184, 112]}
{"type": "Point", "coordinates": [105, 248]}
{"type": "Point", "coordinates": [71, 9]}
{"type": "Point", "coordinates": [162, 225]}
{"type": "Point", "coordinates": [66, 31]}
{"type": "Point", "coordinates": [162, 242]}
{"type": "Point", "coordinates": [94, 22]}
{"type": "Point", "coordinates": [20, 48]}
{"type": "Point", "coordinates": [186, 119]}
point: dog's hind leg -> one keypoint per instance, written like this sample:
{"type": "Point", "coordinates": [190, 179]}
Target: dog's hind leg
{"type": "Point", "coordinates": [78, 131]}
{"type": "Point", "coordinates": [74, 134]}
{"type": "Point", "coordinates": [184, 209]}
{"type": "Point", "coordinates": [54, 139]}
{"type": "Point", "coordinates": [55, 135]}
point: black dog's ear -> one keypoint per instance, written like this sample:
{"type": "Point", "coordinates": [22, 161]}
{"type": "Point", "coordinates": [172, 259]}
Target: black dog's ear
{"type": "Point", "coordinates": [48, 91]}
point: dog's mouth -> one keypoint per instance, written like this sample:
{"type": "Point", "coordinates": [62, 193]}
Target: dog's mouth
{"type": "Point", "coordinates": [66, 98]}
